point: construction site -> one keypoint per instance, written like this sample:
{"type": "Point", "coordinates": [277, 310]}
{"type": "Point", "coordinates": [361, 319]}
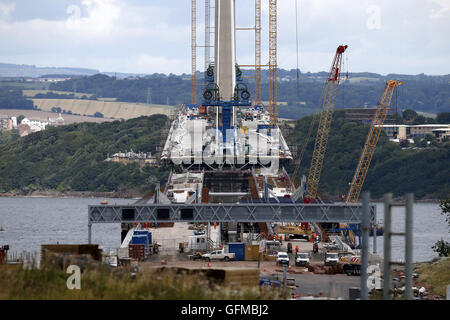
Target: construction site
{"type": "Point", "coordinates": [230, 205]}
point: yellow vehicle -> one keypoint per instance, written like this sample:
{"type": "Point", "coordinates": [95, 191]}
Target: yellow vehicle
{"type": "Point", "coordinates": [293, 231]}
{"type": "Point", "coordinates": [351, 265]}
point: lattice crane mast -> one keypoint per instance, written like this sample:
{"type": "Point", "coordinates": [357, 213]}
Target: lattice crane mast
{"type": "Point", "coordinates": [329, 99]}
{"type": "Point", "coordinates": [371, 141]}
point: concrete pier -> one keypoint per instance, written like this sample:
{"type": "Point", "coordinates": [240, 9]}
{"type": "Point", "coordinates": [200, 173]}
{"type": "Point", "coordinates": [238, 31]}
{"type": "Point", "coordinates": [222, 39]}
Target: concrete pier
{"type": "Point", "coordinates": [225, 51]}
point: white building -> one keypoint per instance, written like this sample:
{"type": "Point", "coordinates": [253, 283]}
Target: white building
{"type": "Point", "coordinates": [35, 125]}
{"type": "Point", "coordinates": [402, 131]}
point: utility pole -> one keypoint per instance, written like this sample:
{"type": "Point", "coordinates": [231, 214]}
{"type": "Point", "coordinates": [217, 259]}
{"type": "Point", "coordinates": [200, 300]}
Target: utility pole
{"type": "Point", "coordinates": [149, 95]}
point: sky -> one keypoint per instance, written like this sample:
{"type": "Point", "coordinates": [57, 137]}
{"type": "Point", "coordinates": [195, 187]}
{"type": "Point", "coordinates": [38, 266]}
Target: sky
{"type": "Point", "coordinates": [154, 36]}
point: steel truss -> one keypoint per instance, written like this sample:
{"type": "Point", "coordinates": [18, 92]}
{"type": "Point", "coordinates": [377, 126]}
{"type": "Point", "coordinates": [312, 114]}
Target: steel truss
{"type": "Point", "coordinates": [228, 212]}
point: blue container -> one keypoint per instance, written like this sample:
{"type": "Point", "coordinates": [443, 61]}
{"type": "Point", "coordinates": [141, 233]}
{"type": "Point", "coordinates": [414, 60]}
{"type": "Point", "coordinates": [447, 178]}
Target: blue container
{"type": "Point", "coordinates": [238, 249]}
{"type": "Point", "coordinates": [139, 239]}
{"type": "Point", "coordinates": [146, 233]}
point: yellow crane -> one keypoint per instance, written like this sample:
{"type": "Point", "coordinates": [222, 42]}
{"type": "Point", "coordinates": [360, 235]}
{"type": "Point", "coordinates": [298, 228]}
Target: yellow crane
{"type": "Point", "coordinates": [371, 141]}
{"type": "Point", "coordinates": [329, 99]}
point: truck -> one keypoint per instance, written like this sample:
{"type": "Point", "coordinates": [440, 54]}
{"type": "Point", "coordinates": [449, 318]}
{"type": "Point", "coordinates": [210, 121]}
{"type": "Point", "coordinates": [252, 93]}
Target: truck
{"type": "Point", "coordinates": [331, 258]}
{"type": "Point", "coordinates": [219, 255]}
{"type": "Point", "coordinates": [302, 258]}
{"type": "Point", "coordinates": [351, 265]}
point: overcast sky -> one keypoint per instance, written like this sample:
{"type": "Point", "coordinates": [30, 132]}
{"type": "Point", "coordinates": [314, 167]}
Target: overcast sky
{"type": "Point", "coordinates": [147, 36]}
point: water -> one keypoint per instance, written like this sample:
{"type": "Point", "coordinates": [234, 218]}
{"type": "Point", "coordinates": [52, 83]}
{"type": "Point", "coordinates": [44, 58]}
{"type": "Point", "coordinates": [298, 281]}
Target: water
{"type": "Point", "coordinates": [429, 226]}
{"type": "Point", "coordinates": [30, 222]}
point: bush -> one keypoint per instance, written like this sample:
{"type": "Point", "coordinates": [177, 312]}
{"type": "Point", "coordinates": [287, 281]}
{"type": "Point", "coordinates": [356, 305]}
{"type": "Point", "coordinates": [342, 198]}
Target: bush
{"type": "Point", "coordinates": [442, 247]}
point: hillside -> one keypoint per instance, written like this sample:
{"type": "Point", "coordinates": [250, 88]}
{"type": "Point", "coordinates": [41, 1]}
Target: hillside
{"type": "Point", "coordinates": [424, 172]}
{"type": "Point", "coordinates": [16, 70]}
{"type": "Point", "coordinates": [72, 157]}
{"type": "Point", "coordinates": [421, 93]}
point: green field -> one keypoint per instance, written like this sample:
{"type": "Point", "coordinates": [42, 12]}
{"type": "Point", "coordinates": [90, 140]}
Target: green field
{"type": "Point", "coordinates": [117, 110]}
{"type": "Point", "coordinates": [26, 85]}
{"type": "Point", "coordinates": [31, 93]}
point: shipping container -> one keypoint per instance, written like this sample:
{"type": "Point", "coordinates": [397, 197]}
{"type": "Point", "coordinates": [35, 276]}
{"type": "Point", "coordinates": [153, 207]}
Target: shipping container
{"type": "Point", "coordinates": [139, 239]}
{"type": "Point", "coordinates": [238, 249]}
{"type": "Point", "coordinates": [144, 233]}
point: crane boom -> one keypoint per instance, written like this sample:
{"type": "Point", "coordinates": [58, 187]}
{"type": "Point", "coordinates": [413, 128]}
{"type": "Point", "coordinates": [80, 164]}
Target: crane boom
{"type": "Point", "coordinates": [371, 141]}
{"type": "Point", "coordinates": [329, 99]}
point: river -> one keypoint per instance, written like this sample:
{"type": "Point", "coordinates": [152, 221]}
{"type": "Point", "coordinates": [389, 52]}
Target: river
{"type": "Point", "coordinates": [29, 222]}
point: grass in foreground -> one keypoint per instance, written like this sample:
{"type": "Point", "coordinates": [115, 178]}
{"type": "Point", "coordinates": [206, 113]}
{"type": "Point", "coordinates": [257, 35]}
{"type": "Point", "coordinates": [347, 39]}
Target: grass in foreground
{"type": "Point", "coordinates": [103, 283]}
{"type": "Point", "coordinates": [436, 275]}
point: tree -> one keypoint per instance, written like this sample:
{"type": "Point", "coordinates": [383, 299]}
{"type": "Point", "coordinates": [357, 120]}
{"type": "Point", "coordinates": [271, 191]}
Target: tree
{"type": "Point", "coordinates": [443, 117]}
{"type": "Point", "coordinates": [442, 247]}
{"type": "Point", "coordinates": [20, 118]}
{"type": "Point", "coordinates": [445, 207]}
{"type": "Point", "coordinates": [409, 115]}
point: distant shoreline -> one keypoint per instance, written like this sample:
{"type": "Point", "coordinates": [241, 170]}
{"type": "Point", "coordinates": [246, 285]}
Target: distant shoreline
{"type": "Point", "coordinates": [135, 195]}
{"type": "Point", "coordinates": [74, 194]}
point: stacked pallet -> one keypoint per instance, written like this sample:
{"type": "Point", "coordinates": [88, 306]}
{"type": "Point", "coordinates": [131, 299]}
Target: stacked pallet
{"type": "Point", "coordinates": [243, 277]}
{"type": "Point", "coordinates": [136, 251]}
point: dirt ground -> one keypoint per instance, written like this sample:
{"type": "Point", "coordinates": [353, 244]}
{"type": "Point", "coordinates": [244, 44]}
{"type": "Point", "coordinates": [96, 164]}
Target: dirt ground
{"type": "Point", "coordinates": [307, 282]}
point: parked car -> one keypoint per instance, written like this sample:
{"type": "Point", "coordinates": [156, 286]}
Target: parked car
{"type": "Point", "coordinates": [219, 255]}
{"type": "Point", "coordinates": [283, 258]}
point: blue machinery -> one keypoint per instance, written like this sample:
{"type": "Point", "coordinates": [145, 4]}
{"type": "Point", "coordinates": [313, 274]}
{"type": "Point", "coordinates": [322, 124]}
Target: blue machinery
{"type": "Point", "coordinates": [353, 227]}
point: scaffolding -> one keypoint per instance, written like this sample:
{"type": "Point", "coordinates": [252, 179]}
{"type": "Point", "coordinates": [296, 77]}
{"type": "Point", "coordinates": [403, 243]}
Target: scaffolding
{"type": "Point", "coordinates": [207, 33]}
{"type": "Point", "coordinates": [273, 62]}
{"type": "Point", "coordinates": [257, 97]}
